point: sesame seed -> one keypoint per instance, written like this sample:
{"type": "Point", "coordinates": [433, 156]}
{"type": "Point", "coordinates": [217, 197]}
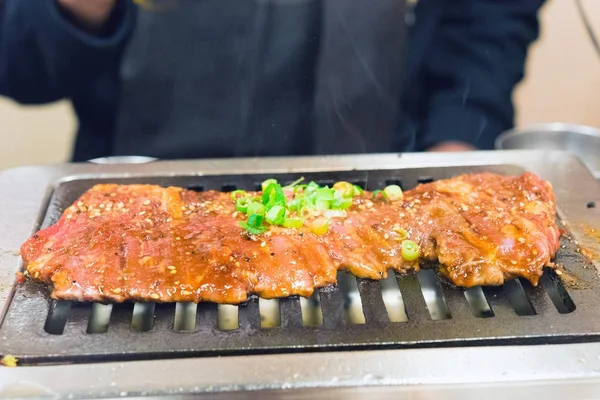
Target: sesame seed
{"type": "Point", "coordinates": [37, 274]}
{"type": "Point", "coordinates": [177, 238]}
{"type": "Point", "coordinates": [186, 292]}
{"type": "Point", "coordinates": [187, 253]}
{"type": "Point", "coordinates": [142, 213]}
{"type": "Point", "coordinates": [263, 244]}
{"type": "Point", "coordinates": [148, 220]}
{"type": "Point", "coordinates": [101, 205]}
{"type": "Point", "coordinates": [386, 236]}
{"type": "Point", "coordinates": [120, 205]}
{"type": "Point", "coordinates": [171, 267]}
{"type": "Point", "coordinates": [513, 262]}
{"type": "Point", "coordinates": [148, 231]}
{"type": "Point", "coordinates": [113, 195]}
{"type": "Point", "coordinates": [521, 240]}
{"type": "Point", "coordinates": [146, 202]}
{"type": "Point", "coordinates": [116, 291]}
{"type": "Point", "coordinates": [183, 208]}
{"type": "Point", "coordinates": [176, 282]}
{"type": "Point", "coordinates": [192, 207]}
{"type": "Point", "coordinates": [237, 264]}
{"type": "Point", "coordinates": [235, 214]}
{"type": "Point", "coordinates": [155, 296]}
{"type": "Point", "coordinates": [173, 272]}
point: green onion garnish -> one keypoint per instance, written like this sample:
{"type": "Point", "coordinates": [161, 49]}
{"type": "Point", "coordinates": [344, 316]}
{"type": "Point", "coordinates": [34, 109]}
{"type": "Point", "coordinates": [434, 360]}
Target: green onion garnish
{"type": "Point", "coordinates": [293, 223]}
{"type": "Point", "coordinates": [410, 250]}
{"type": "Point", "coordinates": [256, 208]}
{"type": "Point", "coordinates": [290, 205]}
{"type": "Point", "coordinates": [376, 193]}
{"type": "Point", "coordinates": [297, 181]}
{"type": "Point", "coordinates": [341, 204]}
{"type": "Point", "coordinates": [393, 192]}
{"type": "Point", "coordinates": [276, 215]}
{"type": "Point", "coordinates": [254, 225]}
{"type": "Point", "coordinates": [266, 183]}
{"type": "Point", "coordinates": [320, 226]}
{"type": "Point", "coordinates": [236, 194]}
{"type": "Point", "coordinates": [242, 204]}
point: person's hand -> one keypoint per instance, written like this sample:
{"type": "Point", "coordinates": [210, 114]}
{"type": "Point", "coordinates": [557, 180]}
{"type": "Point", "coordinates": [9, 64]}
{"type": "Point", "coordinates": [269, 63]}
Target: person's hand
{"type": "Point", "coordinates": [90, 14]}
{"type": "Point", "coordinates": [451, 147]}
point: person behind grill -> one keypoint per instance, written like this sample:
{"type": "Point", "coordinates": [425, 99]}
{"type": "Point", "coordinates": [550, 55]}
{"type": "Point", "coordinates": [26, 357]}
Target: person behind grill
{"type": "Point", "coordinates": [224, 78]}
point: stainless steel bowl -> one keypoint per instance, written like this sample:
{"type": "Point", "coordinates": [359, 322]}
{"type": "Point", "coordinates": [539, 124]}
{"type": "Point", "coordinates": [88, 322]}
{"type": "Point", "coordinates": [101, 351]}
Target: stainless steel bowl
{"type": "Point", "coordinates": [582, 141]}
{"type": "Point", "coordinates": [122, 160]}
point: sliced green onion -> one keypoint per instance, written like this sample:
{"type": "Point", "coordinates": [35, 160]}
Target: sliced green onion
{"type": "Point", "coordinates": [273, 195]}
{"type": "Point", "coordinates": [255, 220]}
{"type": "Point", "coordinates": [322, 204]}
{"type": "Point", "coordinates": [402, 233]}
{"type": "Point", "coordinates": [293, 223]}
{"type": "Point", "coordinates": [251, 230]}
{"type": "Point", "coordinates": [256, 208]}
{"type": "Point", "coordinates": [268, 182]}
{"type": "Point", "coordinates": [276, 215]}
{"type": "Point", "coordinates": [376, 193]}
{"type": "Point", "coordinates": [410, 250]}
{"type": "Point", "coordinates": [345, 189]}
{"type": "Point", "coordinates": [320, 226]}
{"type": "Point", "coordinates": [393, 192]}
{"type": "Point", "coordinates": [295, 204]}
{"type": "Point", "coordinates": [358, 190]}
{"type": "Point", "coordinates": [341, 204]}
{"type": "Point", "coordinates": [242, 204]}
{"type": "Point", "coordinates": [324, 194]}
{"type": "Point", "coordinates": [297, 181]}
{"type": "Point", "coordinates": [236, 194]}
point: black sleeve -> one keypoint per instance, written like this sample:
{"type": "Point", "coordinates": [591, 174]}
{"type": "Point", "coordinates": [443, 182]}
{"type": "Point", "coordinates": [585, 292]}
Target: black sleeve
{"type": "Point", "coordinates": [476, 59]}
{"type": "Point", "coordinates": [45, 57]}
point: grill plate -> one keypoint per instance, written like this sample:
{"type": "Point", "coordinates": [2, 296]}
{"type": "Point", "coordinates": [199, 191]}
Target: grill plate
{"type": "Point", "coordinates": [520, 314]}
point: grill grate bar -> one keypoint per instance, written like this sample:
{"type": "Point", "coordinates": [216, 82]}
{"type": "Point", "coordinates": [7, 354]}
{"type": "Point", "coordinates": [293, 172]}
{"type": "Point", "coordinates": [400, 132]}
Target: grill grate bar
{"type": "Point", "coordinates": [290, 312]}
{"type": "Point", "coordinates": [373, 306]}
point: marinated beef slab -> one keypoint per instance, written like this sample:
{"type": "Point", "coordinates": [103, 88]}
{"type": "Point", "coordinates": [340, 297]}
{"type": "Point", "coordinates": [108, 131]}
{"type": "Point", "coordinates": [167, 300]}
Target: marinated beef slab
{"type": "Point", "coordinates": [148, 243]}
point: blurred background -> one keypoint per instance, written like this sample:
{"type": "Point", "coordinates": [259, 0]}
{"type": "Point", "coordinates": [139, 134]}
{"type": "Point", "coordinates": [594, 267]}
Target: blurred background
{"type": "Point", "coordinates": [562, 85]}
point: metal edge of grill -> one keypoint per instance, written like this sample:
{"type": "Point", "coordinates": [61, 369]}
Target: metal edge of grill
{"type": "Point", "coordinates": [571, 211]}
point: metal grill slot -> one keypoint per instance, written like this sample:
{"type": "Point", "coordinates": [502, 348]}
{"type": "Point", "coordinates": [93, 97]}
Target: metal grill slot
{"type": "Point", "coordinates": [57, 317]}
{"type": "Point", "coordinates": [518, 298]}
{"type": "Point", "coordinates": [478, 303]}
{"type": "Point", "coordinates": [227, 317]}
{"type": "Point", "coordinates": [312, 314]}
{"type": "Point", "coordinates": [228, 188]}
{"type": "Point", "coordinates": [196, 188]}
{"type": "Point", "coordinates": [99, 318]}
{"type": "Point", "coordinates": [185, 317]}
{"type": "Point", "coordinates": [360, 184]}
{"type": "Point", "coordinates": [270, 316]}
{"type": "Point", "coordinates": [425, 179]}
{"type": "Point", "coordinates": [392, 298]}
{"type": "Point", "coordinates": [353, 311]}
{"type": "Point", "coordinates": [557, 292]}
{"type": "Point", "coordinates": [433, 295]}
{"type": "Point", "coordinates": [142, 319]}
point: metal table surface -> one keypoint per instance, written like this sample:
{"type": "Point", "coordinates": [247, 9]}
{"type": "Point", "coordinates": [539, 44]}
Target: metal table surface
{"type": "Point", "coordinates": [566, 370]}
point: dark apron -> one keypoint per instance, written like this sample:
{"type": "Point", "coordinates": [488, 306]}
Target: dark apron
{"type": "Point", "coordinates": [214, 78]}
